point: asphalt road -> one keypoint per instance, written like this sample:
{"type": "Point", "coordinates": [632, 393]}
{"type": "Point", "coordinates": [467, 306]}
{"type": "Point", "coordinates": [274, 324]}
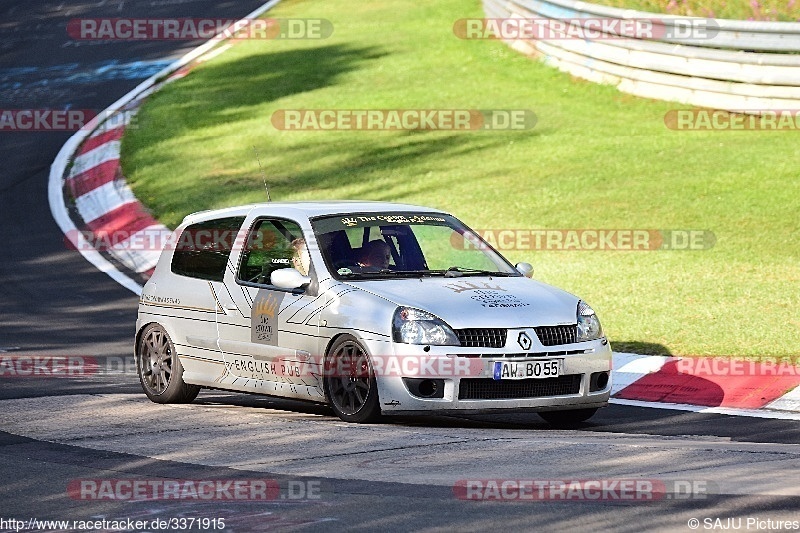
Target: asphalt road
{"type": "Point", "coordinates": [394, 476]}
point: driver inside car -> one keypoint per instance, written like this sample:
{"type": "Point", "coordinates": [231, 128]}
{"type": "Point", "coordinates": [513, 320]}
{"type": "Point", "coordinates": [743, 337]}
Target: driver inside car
{"type": "Point", "coordinates": [375, 256]}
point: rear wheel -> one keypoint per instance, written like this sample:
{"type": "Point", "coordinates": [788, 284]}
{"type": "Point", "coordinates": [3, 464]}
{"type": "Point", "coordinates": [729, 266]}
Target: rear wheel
{"type": "Point", "coordinates": [571, 417]}
{"type": "Point", "coordinates": [350, 384]}
{"type": "Point", "coordinates": [160, 370]}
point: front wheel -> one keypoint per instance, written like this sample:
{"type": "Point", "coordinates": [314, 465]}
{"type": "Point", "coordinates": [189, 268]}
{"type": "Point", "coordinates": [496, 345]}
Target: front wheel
{"type": "Point", "coordinates": [568, 418]}
{"type": "Point", "coordinates": [350, 384]}
{"type": "Point", "coordinates": [160, 370]}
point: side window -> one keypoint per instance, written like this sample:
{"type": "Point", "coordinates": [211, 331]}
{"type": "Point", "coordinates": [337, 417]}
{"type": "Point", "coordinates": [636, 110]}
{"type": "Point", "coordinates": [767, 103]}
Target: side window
{"type": "Point", "coordinates": [203, 249]}
{"type": "Point", "coordinates": [273, 244]}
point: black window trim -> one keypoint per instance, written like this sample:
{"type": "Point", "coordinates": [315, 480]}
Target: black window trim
{"type": "Point", "coordinates": [255, 285]}
{"type": "Point", "coordinates": [227, 259]}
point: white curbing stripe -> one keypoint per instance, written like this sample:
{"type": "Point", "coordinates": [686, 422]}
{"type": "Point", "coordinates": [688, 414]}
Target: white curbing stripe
{"type": "Point", "coordinates": [103, 200]}
{"type": "Point", "coordinates": [102, 154]}
{"type": "Point", "coordinates": [754, 413]}
{"type": "Point", "coordinates": [630, 367]}
{"type": "Point", "coordinates": [788, 402]}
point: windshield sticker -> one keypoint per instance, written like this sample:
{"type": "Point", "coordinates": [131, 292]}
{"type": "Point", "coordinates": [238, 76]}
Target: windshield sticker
{"type": "Point", "coordinates": [336, 223]}
{"type": "Point", "coordinates": [470, 286]}
{"type": "Point", "coordinates": [344, 271]}
{"type": "Point", "coordinates": [264, 317]}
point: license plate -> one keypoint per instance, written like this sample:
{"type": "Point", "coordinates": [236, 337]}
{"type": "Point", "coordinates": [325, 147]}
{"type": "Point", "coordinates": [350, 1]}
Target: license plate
{"type": "Point", "coordinates": [550, 368]}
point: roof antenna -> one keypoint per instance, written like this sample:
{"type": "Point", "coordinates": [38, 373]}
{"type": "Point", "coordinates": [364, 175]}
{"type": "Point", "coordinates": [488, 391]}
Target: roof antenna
{"type": "Point", "coordinates": [263, 175]}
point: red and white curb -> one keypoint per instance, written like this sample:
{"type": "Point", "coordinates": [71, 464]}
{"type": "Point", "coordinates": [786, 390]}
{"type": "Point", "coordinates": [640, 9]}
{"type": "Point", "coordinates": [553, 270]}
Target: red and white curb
{"type": "Point", "coordinates": [708, 385]}
{"type": "Point", "coordinates": [89, 197]}
{"type": "Point", "coordinates": [102, 204]}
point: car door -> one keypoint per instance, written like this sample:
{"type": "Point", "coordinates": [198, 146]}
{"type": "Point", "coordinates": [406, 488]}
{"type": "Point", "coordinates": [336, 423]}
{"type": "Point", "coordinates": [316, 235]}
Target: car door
{"type": "Point", "coordinates": [268, 336]}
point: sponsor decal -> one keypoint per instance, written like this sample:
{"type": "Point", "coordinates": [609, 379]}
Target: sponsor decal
{"type": "Point", "coordinates": [153, 299]}
{"type": "Point", "coordinates": [495, 299]}
{"type": "Point", "coordinates": [487, 295]}
{"type": "Point", "coordinates": [471, 286]}
{"type": "Point", "coordinates": [312, 368]}
{"type": "Point", "coordinates": [264, 319]}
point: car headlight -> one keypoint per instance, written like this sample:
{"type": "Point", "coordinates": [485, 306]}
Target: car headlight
{"type": "Point", "coordinates": [413, 326]}
{"type": "Point", "coordinates": [589, 327]}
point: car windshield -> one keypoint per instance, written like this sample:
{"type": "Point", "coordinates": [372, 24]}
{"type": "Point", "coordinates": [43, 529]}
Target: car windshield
{"type": "Point", "coordinates": [396, 245]}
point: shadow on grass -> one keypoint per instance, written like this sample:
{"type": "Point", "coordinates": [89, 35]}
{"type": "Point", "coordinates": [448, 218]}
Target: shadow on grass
{"type": "Point", "coordinates": [322, 163]}
{"type": "Point", "coordinates": [223, 92]}
{"type": "Point", "coordinates": [643, 348]}
{"type": "Point", "coordinates": [365, 167]}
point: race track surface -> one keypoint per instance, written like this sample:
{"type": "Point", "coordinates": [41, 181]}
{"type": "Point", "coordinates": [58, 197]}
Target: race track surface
{"type": "Point", "coordinates": [395, 476]}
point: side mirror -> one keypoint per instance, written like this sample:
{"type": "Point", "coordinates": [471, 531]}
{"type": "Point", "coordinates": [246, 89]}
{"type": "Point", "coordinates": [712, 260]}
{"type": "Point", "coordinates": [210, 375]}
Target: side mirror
{"type": "Point", "coordinates": [526, 269]}
{"type": "Point", "coordinates": [288, 278]}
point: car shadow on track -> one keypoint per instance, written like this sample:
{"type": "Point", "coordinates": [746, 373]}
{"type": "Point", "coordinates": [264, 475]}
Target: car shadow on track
{"type": "Point", "coordinates": [612, 419]}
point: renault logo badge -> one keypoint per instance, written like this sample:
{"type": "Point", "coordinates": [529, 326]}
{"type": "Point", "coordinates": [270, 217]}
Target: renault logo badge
{"type": "Point", "coordinates": [524, 341]}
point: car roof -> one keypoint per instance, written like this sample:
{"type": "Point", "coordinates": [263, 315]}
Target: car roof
{"type": "Point", "coordinates": [306, 209]}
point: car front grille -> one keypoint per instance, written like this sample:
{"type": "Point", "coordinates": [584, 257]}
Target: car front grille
{"type": "Point", "coordinates": [557, 335]}
{"type": "Point", "coordinates": [482, 337]}
{"type": "Point", "coordinates": [522, 355]}
{"type": "Point", "coordinates": [490, 389]}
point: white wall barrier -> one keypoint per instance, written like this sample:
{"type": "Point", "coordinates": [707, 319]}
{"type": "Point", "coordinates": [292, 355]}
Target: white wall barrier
{"type": "Point", "coordinates": [722, 64]}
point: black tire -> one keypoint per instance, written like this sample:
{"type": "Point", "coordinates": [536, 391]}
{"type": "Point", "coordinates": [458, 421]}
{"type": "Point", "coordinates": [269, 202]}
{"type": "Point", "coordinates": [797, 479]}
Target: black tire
{"type": "Point", "coordinates": [160, 370]}
{"type": "Point", "coordinates": [350, 384]}
{"type": "Point", "coordinates": [568, 418]}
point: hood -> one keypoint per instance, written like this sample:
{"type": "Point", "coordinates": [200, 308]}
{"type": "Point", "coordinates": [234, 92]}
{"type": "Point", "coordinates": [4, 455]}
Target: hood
{"type": "Point", "coordinates": [480, 302]}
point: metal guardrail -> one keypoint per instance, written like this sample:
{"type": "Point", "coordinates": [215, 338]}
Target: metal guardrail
{"type": "Point", "coordinates": [726, 69]}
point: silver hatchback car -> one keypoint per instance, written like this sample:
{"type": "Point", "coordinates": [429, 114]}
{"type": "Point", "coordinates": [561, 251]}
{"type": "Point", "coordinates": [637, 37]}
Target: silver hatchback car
{"type": "Point", "coordinates": [373, 308]}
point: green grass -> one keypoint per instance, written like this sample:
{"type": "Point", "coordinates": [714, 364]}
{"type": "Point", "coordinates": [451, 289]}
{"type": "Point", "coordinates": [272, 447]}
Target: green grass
{"type": "Point", "coordinates": [596, 159]}
{"type": "Point", "coordinates": [773, 10]}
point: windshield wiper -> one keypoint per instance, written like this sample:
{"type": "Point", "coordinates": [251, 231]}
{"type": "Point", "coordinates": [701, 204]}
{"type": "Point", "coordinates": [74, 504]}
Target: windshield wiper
{"type": "Point", "coordinates": [457, 272]}
{"type": "Point", "coordinates": [385, 273]}
{"type": "Point", "coordinates": [452, 272]}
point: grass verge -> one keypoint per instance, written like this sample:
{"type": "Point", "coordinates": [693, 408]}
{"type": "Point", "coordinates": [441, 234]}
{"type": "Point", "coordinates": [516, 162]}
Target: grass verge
{"type": "Point", "coordinates": [596, 159]}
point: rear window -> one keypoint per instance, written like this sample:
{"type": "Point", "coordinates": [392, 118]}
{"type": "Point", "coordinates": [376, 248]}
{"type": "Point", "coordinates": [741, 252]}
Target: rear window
{"type": "Point", "coordinates": [203, 249]}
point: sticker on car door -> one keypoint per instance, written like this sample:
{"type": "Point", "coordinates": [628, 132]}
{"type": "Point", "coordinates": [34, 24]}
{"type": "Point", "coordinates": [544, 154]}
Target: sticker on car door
{"type": "Point", "coordinates": [264, 317]}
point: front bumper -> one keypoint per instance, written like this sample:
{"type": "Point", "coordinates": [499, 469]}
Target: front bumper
{"type": "Point", "coordinates": [466, 377]}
